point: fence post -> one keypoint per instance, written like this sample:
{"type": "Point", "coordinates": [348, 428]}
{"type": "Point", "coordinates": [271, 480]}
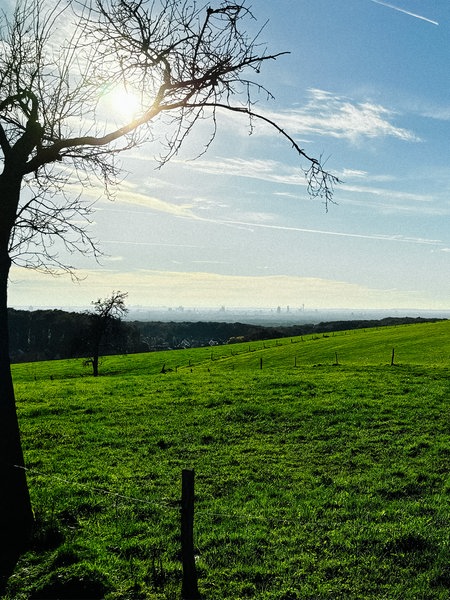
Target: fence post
{"type": "Point", "coordinates": [189, 589]}
{"type": "Point", "coordinates": [392, 357]}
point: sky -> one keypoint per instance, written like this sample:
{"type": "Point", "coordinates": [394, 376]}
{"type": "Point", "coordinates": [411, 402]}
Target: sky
{"type": "Point", "coordinates": [366, 86]}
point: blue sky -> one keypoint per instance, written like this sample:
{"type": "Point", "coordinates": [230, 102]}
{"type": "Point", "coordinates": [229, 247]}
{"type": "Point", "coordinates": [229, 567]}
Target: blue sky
{"type": "Point", "coordinates": [366, 85]}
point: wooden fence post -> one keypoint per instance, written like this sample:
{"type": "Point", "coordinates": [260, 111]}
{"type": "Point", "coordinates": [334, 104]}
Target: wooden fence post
{"type": "Point", "coordinates": [189, 589]}
{"type": "Point", "coordinates": [392, 357]}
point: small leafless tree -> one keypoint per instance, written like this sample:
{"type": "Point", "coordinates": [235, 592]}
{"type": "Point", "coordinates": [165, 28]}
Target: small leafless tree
{"type": "Point", "coordinates": [105, 319]}
{"type": "Point", "coordinates": [186, 62]}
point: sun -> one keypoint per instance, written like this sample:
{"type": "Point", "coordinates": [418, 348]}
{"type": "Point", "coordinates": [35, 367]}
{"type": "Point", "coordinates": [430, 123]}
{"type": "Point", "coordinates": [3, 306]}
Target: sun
{"type": "Point", "coordinates": [124, 105]}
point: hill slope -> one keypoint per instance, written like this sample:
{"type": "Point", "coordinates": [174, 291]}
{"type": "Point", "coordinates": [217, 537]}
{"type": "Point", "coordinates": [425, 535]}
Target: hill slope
{"type": "Point", "coordinates": [315, 481]}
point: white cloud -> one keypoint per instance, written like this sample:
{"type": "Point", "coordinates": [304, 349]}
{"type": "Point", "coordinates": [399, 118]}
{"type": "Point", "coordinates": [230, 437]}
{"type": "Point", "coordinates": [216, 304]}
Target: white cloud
{"type": "Point", "coordinates": [397, 203]}
{"type": "Point", "coordinates": [353, 174]}
{"type": "Point", "coordinates": [263, 170]}
{"type": "Point", "coordinates": [340, 117]}
{"type": "Point", "coordinates": [388, 194]}
{"type": "Point", "coordinates": [327, 114]}
{"type": "Point", "coordinates": [440, 113]}
{"type": "Point", "coordinates": [127, 194]}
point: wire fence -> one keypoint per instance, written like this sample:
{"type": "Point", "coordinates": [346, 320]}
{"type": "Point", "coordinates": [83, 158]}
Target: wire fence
{"type": "Point", "coordinates": [268, 515]}
{"type": "Point", "coordinates": [360, 534]}
{"type": "Point", "coordinates": [162, 504]}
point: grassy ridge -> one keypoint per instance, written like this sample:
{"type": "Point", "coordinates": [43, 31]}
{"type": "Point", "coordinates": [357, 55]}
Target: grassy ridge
{"type": "Point", "coordinates": [319, 481]}
{"type": "Point", "coordinates": [426, 344]}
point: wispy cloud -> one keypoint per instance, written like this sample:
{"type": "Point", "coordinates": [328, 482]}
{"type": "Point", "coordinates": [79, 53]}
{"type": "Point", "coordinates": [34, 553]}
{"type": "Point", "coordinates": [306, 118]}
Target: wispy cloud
{"type": "Point", "coordinates": [431, 110]}
{"type": "Point", "coordinates": [388, 194]}
{"type": "Point", "coordinates": [340, 117]}
{"type": "Point", "coordinates": [128, 194]}
{"type": "Point", "coordinates": [359, 188]}
{"type": "Point", "coordinates": [327, 114]}
{"type": "Point", "coordinates": [151, 244]}
{"type": "Point", "coordinates": [404, 11]}
{"type": "Point", "coordinates": [367, 236]}
{"type": "Point", "coordinates": [358, 183]}
{"type": "Point", "coordinates": [264, 170]}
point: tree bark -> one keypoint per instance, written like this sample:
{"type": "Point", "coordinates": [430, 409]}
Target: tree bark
{"type": "Point", "coordinates": [16, 515]}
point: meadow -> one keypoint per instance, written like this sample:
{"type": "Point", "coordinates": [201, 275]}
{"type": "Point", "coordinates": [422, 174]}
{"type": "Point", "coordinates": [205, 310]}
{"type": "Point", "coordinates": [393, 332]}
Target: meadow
{"type": "Point", "coordinates": [322, 470]}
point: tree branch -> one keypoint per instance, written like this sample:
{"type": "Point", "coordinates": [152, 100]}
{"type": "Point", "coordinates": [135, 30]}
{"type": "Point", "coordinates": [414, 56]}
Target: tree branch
{"type": "Point", "coordinates": [182, 61]}
{"type": "Point", "coordinates": [4, 142]}
{"type": "Point", "coordinates": [320, 182]}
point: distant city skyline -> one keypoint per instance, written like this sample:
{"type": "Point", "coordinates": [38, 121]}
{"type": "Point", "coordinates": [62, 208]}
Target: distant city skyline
{"type": "Point", "coordinates": [270, 315]}
{"type": "Point", "coordinates": [365, 85]}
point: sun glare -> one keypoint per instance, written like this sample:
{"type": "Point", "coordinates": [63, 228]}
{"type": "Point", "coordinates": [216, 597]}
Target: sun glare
{"type": "Point", "coordinates": [123, 105]}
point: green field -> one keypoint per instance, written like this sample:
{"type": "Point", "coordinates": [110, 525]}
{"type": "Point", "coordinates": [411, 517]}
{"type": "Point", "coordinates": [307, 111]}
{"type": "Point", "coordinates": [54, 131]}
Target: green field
{"type": "Point", "coordinates": [322, 471]}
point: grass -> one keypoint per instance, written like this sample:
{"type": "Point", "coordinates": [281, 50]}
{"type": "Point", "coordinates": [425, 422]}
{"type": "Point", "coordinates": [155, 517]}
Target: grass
{"type": "Point", "coordinates": [313, 479]}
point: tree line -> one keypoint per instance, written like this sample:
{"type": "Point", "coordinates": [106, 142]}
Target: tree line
{"type": "Point", "coordinates": [54, 334]}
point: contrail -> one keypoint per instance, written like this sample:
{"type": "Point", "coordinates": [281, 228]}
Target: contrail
{"type": "Point", "coordinates": [406, 12]}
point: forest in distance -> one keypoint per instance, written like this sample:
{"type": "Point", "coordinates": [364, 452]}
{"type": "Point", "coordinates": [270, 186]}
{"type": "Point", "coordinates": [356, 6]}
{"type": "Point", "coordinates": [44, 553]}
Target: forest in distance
{"type": "Point", "coordinates": [57, 334]}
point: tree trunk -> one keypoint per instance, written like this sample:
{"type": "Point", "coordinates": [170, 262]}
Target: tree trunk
{"type": "Point", "coordinates": [95, 365]}
{"type": "Point", "coordinates": [16, 516]}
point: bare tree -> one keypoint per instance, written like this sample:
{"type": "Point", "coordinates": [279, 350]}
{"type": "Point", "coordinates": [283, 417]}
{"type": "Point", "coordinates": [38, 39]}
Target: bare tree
{"type": "Point", "coordinates": [105, 319]}
{"type": "Point", "coordinates": [186, 62]}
